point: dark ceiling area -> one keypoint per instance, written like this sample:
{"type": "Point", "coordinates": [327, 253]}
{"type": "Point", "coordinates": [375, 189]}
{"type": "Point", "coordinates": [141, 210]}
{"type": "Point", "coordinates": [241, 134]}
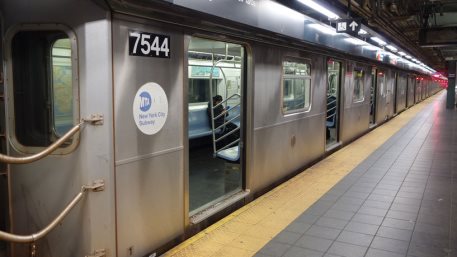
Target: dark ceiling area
{"type": "Point", "coordinates": [427, 29]}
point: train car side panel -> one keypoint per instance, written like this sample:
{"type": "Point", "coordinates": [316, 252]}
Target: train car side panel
{"type": "Point", "coordinates": [149, 168]}
{"type": "Point", "coordinates": [282, 142]}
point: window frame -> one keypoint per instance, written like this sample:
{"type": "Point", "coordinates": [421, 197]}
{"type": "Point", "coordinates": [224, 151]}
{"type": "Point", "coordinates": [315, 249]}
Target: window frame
{"type": "Point", "coordinates": [9, 89]}
{"type": "Point", "coordinates": [305, 108]}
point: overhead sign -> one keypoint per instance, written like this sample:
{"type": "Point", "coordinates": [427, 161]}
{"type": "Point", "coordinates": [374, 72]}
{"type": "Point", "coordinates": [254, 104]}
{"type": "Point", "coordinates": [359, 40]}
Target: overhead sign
{"type": "Point", "coordinates": [349, 26]}
{"type": "Point", "coordinates": [150, 108]}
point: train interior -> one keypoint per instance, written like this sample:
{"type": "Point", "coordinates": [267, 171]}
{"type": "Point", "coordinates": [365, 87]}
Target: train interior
{"type": "Point", "coordinates": [373, 95]}
{"type": "Point", "coordinates": [381, 88]}
{"type": "Point", "coordinates": [215, 87]}
{"type": "Point", "coordinates": [333, 95]}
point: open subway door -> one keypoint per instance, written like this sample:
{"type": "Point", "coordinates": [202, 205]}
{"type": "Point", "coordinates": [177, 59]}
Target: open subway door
{"type": "Point", "coordinates": [333, 102]}
{"type": "Point", "coordinates": [215, 105]}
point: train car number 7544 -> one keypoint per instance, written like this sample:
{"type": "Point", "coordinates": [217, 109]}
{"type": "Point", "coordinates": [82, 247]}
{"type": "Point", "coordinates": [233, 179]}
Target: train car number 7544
{"type": "Point", "coordinates": [149, 44]}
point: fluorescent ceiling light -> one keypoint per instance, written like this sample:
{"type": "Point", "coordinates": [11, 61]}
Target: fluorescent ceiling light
{"type": "Point", "coordinates": [323, 29]}
{"type": "Point", "coordinates": [401, 53]}
{"type": "Point", "coordinates": [355, 41]}
{"type": "Point", "coordinates": [362, 32]}
{"type": "Point", "coordinates": [378, 40]}
{"type": "Point", "coordinates": [408, 57]}
{"type": "Point", "coordinates": [319, 8]}
{"type": "Point", "coordinates": [392, 48]}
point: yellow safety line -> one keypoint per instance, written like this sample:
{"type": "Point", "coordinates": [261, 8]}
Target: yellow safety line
{"type": "Point", "coordinates": [247, 230]}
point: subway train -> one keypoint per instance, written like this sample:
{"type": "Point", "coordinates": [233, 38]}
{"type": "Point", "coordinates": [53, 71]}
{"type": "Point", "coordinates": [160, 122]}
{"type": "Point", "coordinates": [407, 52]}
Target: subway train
{"type": "Point", "coordinates": [129, 125]}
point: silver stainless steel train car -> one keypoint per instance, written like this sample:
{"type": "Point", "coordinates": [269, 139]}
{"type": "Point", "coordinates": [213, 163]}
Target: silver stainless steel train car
{"type": "Point", "coordinates": [128, 125]}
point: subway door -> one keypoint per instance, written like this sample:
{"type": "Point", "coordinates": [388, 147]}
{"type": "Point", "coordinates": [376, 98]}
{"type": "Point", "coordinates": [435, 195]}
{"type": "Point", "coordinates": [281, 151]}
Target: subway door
{"type": "Point", "coordinates": [373, 98]}
{"type": "Point", "coordinates": [215, 86]}
{"type": "Point", "coordinates": [356, 108]}
{"type": "Point", "coordinates": [148, 104]}
{"type": "Point", "coordinates": [411, 90]}
{"type": "Point", "coordinates": [418, 93]}
{"type": "Point", "coordinates": [334, 70]}
{"type": "Point", "coordinates": [4, 205]}
{"type": "Point", "coordinates": [424, 88]}
{"type": "Point", "coordinates": [381, 99]}
{"type": "Point", "coordinates": [390, 93]}
{"type": "Point", "coordinates": [50, 88]}
{"type": "Point", "coordinates": [401, 95]}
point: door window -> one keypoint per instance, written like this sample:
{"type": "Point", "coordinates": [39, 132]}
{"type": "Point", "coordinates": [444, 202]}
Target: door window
{"type": "Point", "coordinates": [43, 86]}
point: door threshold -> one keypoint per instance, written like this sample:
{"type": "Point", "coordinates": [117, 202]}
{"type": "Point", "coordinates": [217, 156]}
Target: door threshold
{"type": "Point", "coordinates": [217, 207]}
{"type": "Point", "coordinates": [332, 146]}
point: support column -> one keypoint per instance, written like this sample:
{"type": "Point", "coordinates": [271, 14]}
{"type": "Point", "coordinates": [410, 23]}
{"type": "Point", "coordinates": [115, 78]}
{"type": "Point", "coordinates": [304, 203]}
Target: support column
{"type": "Point", "coordinates": [450, 101]}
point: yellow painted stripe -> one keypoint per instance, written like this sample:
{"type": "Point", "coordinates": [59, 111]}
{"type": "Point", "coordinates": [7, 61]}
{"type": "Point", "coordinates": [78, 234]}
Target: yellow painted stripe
{"type": "Point", "coordinates": [247, 230]}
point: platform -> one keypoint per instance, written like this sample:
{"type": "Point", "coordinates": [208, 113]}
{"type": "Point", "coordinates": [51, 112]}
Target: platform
{"type": "Point", "coordinates": [392, 193]}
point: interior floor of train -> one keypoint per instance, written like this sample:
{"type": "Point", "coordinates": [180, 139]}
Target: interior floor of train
{"type": "Point", "coordinates": [210, 178]}
{"type": "Point", "coordinates": [392, 192]}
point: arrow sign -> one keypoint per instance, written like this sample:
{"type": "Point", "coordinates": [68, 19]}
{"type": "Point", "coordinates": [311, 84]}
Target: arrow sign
{"type": "Point", "coordinates": [354, 25]}
{"type": "Point", "coordinates": [349, 26]}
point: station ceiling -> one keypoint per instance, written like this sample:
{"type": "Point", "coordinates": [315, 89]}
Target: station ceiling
{"type": "Point", "coordinates": [427, 29]}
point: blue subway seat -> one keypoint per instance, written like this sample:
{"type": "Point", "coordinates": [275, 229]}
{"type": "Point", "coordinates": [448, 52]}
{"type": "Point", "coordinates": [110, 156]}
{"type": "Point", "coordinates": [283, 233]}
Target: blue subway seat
{"type": "Point", "coordinates": [233, 112]}
{"type": "Point", "coordinates": [199, 125]}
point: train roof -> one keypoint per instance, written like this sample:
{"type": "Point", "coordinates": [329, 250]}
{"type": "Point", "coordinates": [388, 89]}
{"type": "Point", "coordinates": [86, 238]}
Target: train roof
{"type": "Point", "coordinates": [271, 17]}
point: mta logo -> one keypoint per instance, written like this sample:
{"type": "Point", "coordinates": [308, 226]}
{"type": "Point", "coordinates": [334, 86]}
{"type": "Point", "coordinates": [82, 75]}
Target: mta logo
{"type": "Point", "coordinates": [145, 101]}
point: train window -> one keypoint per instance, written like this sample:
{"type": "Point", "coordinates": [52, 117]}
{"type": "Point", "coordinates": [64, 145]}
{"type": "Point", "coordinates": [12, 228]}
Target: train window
{"type": "Point", "coordinates": [43, 86]}
{"type": "Point", "coordinates": [62, 90]}
{"type": "Point", "coordinates": [358, 95]}
{"type": "Point", "coordinates": [296, 86]}
{"type": "Point", "coordinates": [199, 89]}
